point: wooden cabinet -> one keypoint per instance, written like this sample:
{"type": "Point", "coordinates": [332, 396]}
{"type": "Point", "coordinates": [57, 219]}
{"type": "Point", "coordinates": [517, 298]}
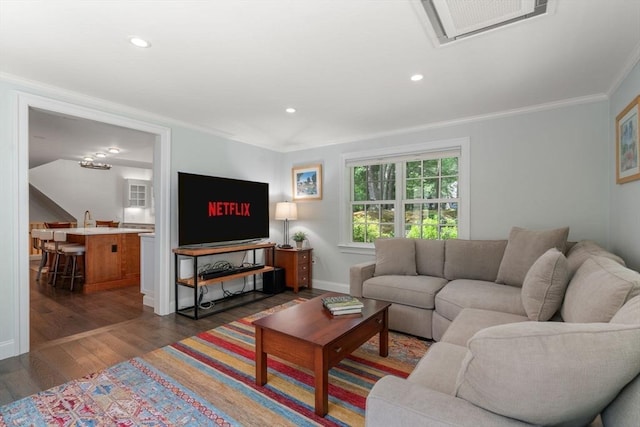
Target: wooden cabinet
{"type": "Point", "coordinates": [297, 266]}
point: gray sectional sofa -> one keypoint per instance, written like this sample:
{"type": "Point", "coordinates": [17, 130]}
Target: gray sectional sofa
{"type": "Point", "coordinates": [530, 331]}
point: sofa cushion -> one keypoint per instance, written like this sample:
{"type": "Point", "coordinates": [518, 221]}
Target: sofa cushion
{"type": "Point", "coordinates": [549, 372]}
{"type": "Point", "coordinates": [395, 256]}
{"type": "Point", "coordinates": [544, 285]}
{"type": "Point", "coordinates": [524, 247]}
{"type": "Point", "coordinates": [438, 369]}
{"type": "Point", "coordinates": [415, 291]}
{"type": "Point", "coordinates": [473, 259]}
{"type": "Point", "coordinates": [463, 293]}
{"type": "Point", "coordinates": [625, 409]}
{"type": "Point", "coordinates": [430, 257]}
{"type": "Point", "coordinates": [585, 249]}
{"type": "Point", "coordinates": [472, 320]}
{"type": "Point", "coordinates": [598, 289]}
{"type": "Point", "coordinates": [629, 314]}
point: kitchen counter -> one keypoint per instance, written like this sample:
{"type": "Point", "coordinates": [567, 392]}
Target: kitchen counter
{"type": "Point", "coordinates": [112, 256]}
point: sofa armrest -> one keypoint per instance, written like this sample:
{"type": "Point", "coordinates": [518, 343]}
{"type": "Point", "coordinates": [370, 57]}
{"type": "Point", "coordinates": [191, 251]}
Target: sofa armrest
{"type": "Point", "coordinates": [358, 273]}
{"type": "Point", "coordinates": [396, 401]}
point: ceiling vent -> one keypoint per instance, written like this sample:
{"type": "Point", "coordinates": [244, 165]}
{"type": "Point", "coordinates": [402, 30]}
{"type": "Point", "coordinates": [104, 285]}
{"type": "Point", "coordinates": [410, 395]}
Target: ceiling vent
{"type": "Point", "coordinates": [456, 19]}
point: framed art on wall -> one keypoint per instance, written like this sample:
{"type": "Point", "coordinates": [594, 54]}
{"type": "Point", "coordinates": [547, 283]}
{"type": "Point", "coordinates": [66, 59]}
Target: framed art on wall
{"type": "Point", "coordinates": [628, 143]}
{"type": "Point", "coordinates": [307, 182]}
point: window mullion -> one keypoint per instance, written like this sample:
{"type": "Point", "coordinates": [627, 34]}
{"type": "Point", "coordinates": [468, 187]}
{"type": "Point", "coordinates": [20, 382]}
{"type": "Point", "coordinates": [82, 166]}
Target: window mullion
{"type": "Point", "coordinates": [400, 198]}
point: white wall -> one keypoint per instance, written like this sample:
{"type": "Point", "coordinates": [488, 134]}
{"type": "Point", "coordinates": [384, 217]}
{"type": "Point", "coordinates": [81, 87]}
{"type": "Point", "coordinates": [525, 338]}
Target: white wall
{"type": "Point", "coordinates": [625, 198]}
{"type": "Point", "coordinates": [538, 170]}
{"type": "Point", "coordinates": [102, 192]}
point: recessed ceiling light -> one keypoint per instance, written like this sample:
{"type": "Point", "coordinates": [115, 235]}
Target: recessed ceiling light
{"type": "Point", "coordinates": [290, 110]}
{"type": "Point", "coordinates": [101, 155]}
{"type": "Point", "coordinates": [113, 150]}
{"type": "Point", "coordinates": [417, 77]}
{"type": "Point", "coordinates": [137, 41]}
{"type": "Point", "coordinates": [88, 159]}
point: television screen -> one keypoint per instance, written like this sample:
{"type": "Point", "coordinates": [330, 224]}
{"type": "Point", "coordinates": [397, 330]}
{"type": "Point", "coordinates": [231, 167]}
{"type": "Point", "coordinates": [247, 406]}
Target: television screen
{"type": "Point", "coordinates": [217, 210]}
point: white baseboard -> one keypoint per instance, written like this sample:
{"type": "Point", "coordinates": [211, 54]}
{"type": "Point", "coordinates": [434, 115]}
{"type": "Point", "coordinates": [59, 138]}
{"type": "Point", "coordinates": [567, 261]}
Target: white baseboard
{"type": "Point", "coordinates": [8, 349]}
{"type": "Point", "coordinates": [331, 286]}
{"type": "Point", "coordinates": [148, 300]}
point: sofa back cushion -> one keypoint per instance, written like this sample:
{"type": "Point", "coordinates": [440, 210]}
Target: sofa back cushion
{"type": "Point", "coordinates": [473, 259]}
{"type": "Point", "coordinates": [524, 247]}
{"type": "Point", "coordinates": [544, 285]}
{"type": "Point", "coordinates": [585, 249]}
{"type": "Point", "coordinates": [629, 314]}
{"type": "Point", "coordinates": [598, 290]}
{"type": "Point", "coordinates": [549, 373]}
{"type": "Point", "coordinates": [430, 257]}
{"type": "Point", "coordinates": [395, 257]}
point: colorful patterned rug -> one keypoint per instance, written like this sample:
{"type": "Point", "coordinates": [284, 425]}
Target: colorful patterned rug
{"type": "Point", "coordinates": [209, 380]}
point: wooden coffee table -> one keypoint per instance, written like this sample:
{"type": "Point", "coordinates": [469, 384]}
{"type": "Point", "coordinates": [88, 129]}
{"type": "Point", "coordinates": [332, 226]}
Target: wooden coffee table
{"type": "Point", "coordinates": [309, 336]}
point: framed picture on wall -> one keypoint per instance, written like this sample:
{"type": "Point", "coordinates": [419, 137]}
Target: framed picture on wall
{"type": "Point", "coordinates": [628, 143]}
{"type": "Point", "coordinates": [307, 182]}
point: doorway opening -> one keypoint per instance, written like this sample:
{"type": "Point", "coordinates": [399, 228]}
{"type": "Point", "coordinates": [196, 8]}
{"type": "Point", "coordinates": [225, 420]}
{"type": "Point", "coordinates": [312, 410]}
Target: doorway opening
{"type": "Point", "coordinates": [161, 191]}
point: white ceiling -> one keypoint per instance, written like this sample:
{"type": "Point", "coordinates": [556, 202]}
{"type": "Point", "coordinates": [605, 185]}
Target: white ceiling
{"type": "Point", "coordinates": [231, 67]}
{"type": "Point", "coordinates": [55, 136]}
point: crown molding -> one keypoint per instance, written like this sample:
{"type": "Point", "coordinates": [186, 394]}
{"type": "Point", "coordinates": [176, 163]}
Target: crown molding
{"type": "Point", "coordinates": [108, 106]}
{"type": "Point", "coordinates": [465, 120]}
{"type": "Point", "coordinates": [123, 109]}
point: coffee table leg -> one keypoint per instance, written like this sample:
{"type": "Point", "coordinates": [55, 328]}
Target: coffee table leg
{"type": "Point", "coordinates": [321, 373]}
{"type": "Point", "coordinates": [261, 359]}
{"type": "Point", "coordinates": [384, 334]}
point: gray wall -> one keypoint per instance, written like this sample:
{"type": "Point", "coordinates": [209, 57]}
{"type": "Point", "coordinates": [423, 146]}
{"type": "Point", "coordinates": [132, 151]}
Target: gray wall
{"type": "Point", "coordinates": [538, 170]}
{"type": "Point", "coordinates": [624, 200]}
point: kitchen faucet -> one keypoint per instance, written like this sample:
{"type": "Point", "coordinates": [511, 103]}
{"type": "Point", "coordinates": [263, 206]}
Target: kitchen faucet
{"type": "Point", "coordinates": [87, 218]}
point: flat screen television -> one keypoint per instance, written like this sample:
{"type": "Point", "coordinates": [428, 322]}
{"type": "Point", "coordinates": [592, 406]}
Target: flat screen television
{"type": "Point", "coordinates": [214, 210]}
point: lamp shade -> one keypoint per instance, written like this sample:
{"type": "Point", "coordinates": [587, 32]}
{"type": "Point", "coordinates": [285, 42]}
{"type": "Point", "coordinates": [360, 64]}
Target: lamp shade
{"type": "Point", "coordinates": [286, 211]}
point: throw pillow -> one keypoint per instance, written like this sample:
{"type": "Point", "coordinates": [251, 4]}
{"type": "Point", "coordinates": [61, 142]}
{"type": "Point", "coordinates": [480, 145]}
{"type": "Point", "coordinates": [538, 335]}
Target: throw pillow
{"type": "Point", "coordinates": [597, 291]}
{"type": "Point", "coordinates": [583, 250]}
{"type": "Point", "coordinates": [544, 285]}
{"type": "Point", "coordinates": [395, 257]}
{"type": "Point", "coordinates": [629, 314]}
{"type": "Point", "coordinates": [524, 247]}
{"type": "Point", "coordinates": [549, 373]}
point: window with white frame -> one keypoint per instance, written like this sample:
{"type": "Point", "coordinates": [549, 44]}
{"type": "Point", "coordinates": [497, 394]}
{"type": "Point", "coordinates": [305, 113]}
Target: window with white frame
{"type": "Point", "coordinates": [416, 192]}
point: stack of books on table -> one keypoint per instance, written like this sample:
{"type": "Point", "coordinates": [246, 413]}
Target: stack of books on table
{"type": "Point", "coordinates": [340, 305]}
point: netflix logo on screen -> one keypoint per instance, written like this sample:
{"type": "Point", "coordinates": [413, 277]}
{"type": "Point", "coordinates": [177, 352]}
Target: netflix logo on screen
{"type": "Point", "coordinates": [229, 208]}
{"type": "Point", "coordinates": [216, 210]}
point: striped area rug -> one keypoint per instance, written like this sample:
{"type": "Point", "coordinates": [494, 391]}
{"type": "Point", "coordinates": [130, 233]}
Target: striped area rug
{"type": "Point", "coordinates": [209, 379]}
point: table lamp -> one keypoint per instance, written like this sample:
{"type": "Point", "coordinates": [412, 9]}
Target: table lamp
{"type": "Point", "coordinates": [284, 212]}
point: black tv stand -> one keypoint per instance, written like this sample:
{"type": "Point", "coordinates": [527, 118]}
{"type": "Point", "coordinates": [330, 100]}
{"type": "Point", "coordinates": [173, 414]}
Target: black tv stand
{"type": "Point", "coordinates": [199, 280]}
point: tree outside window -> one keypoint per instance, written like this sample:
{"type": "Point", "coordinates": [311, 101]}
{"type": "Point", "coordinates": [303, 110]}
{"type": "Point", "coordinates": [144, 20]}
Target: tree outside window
{"type": "Point", "coordinates": [425, 191]}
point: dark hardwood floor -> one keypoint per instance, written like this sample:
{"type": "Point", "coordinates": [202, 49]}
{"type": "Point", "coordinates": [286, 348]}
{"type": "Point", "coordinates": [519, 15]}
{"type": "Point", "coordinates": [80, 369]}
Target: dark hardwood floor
{"type": "Point", "coordinates": [73, 335]}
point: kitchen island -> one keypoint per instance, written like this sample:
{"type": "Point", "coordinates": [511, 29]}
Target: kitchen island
{"type": "Point", "coordinates": [112, 256]}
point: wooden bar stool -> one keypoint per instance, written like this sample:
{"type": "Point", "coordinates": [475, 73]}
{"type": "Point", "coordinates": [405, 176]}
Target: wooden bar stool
{"type": "Point", "coordinates": [59, 242]}
{"type": "Point", "coordinates": [43, 237]}
{"type": "Point", "coordinates": [112, 224]}
{"type": "Point", "coordinates": [71, 252]}
{"type": "Point", "coordinates": [57, 224]}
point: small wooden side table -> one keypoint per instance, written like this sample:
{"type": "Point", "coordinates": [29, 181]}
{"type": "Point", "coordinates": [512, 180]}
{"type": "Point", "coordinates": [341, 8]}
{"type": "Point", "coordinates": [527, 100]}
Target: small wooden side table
{"type": "Point", "coordinates": [296, 264]}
